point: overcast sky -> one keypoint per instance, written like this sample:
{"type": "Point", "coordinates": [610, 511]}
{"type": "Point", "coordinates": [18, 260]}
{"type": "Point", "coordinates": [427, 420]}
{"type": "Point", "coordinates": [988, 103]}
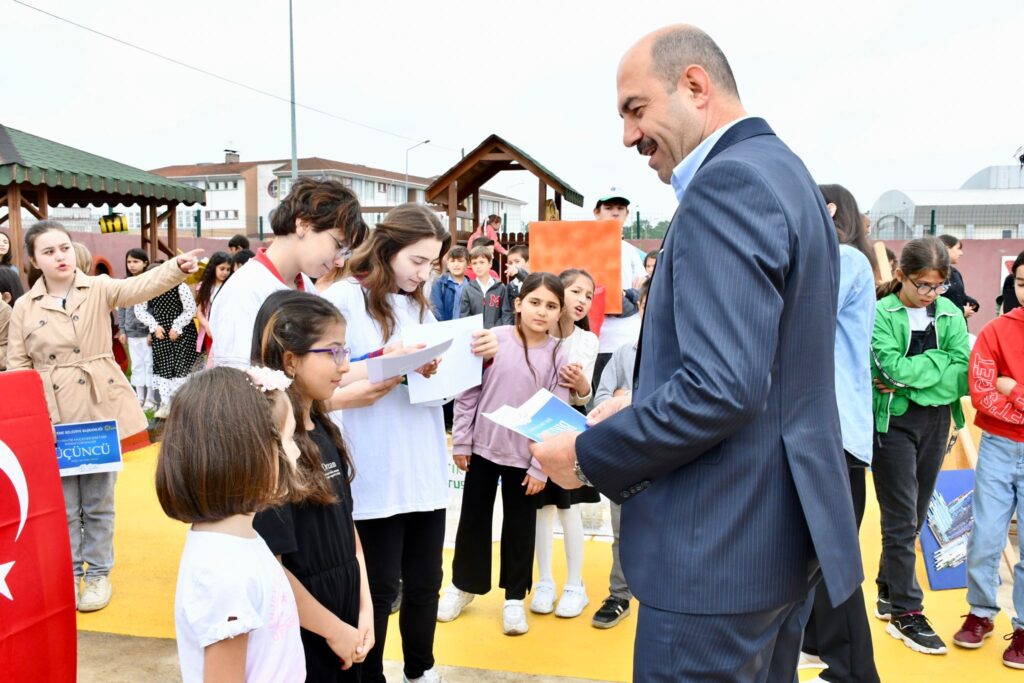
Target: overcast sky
{"type": "Point", "coordinates": [874, 95]}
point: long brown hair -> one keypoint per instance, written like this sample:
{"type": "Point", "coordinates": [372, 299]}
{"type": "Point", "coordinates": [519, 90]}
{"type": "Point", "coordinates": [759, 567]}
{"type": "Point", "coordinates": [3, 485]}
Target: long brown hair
{"type": "Point", "coordinates": [291, 321]}
{"type": "Point", "coordinates": [850, 222]}
{"type": "Point", "coordinates": [924, 253]}
{"type": "Point", "coordinates": [221, 452]}
{"type": "Point", "coordinates": [371, 264]}
{"type": "Point", "coordinates": [553, 284]}
{"type": "Point", "coordinates": [568, 277]}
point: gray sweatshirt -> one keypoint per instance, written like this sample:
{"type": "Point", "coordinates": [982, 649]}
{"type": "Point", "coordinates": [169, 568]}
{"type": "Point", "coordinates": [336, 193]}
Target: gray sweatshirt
{"type": "Point", "coordinates": [617, 374]}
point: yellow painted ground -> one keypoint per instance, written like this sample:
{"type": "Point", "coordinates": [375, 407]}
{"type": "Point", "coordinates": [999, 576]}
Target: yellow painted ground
{"type": "Point", "coordinates": [148, 546]}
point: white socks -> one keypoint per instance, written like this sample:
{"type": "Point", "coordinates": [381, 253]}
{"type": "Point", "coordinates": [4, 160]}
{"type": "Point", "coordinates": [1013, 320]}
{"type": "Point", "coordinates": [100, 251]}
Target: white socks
{"type": "Point", "coordinates": [572, 528]}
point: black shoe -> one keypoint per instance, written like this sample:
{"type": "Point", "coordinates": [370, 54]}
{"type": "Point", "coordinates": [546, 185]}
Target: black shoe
{"type": "Point", "coordinates": [397, 604]}
{"type": "Point", "coordinates": [883, 606]}
{"type": "Point", "coordinates": [613, 610]}
{"type": "Point", "coordinates": [916, 633]}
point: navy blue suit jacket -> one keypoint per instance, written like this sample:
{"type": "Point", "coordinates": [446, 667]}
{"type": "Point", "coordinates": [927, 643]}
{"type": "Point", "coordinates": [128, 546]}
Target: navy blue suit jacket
{"type": "Point", "coordinates": [730, 464]}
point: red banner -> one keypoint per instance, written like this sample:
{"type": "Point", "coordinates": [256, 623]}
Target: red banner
{"type": "Point", "coordinates": [37, 611]}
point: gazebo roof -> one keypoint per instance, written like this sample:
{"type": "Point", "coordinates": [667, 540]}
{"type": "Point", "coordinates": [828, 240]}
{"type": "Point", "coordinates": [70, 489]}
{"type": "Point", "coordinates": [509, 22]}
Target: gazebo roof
{"type": "Point", "coordinates": [77, 177]}
{"type": "Point", "coordinates": [491, 157]}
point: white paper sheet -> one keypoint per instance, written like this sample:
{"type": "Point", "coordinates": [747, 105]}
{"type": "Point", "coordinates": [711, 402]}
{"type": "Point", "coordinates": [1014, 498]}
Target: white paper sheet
{"type": "Point", "coordinates": [459, 369]}
{"type": "Point", "coordinates": [385, 367]}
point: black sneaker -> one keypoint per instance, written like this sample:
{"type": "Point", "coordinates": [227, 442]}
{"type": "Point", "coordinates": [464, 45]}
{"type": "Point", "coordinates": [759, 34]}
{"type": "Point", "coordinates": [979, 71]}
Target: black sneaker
{"type": "Point", "coordinates": [613, 610]}
{"type": "Point", "coordinates": [883, 606]}
{"type": "Point", "coordinates": [916, 633]}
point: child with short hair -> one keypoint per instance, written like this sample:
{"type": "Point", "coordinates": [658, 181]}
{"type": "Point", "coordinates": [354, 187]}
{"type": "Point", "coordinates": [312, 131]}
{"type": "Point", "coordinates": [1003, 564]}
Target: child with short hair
{"type": "Point", "coordinates": [997, 392]}
{"type": "Point", "coordinates": [488, 244]}
{"type": "Point", "coordinates": [516, 270]}
{"type": "Point", "coordinates": [484, 294]}
{"type": "Point", "coordinates": [446, 294]}
{"type": "Point", "coordinates": [920, 351]}
{"type": "Point", "coordinates": [489, 453]}
{"type": "Point", "coordinates": [315, 538]}
{"type": "Point", "coordinates": [235, 616]}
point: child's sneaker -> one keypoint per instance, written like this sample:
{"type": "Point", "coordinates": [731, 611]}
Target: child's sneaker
{"type": "Point", "coordinates": [513, 618]}
{"type": "Point", "coordinates": [973, 633]}
{"type": "Point", "coordinates": [78, 588]}
{"type": "Point", "coordinates": [573, 601]}
{"type": "Point", "coordinates": [916, 633]}
{"type": "Point", "coordinates": [883, 606]}
{"type": "Point", "coordinates": [95, 594]}
{"type": "Point", "coordinates": [431, 675]}
{"type": "Point", "coordinates": [543, 601]}
{"type": "Point", "coordinates": [452, 603]}
{"type": "Point", "coordinates": [1014, 655]}
{"type": "Point", "coordinates": [163, 412]}
{"type": "Point", "coordinates": [612, 611]}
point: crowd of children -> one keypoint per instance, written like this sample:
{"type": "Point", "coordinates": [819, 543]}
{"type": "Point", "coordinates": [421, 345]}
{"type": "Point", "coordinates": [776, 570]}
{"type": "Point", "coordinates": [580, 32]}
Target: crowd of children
{"type": "Point", "coordinates": [306, 525]}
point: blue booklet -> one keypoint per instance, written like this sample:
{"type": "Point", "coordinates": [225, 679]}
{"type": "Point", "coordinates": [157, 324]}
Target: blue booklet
{"type": "Point", "coordinates": [544, 415]}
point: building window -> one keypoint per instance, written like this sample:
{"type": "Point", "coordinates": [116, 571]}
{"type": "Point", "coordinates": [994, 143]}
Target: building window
{"type": "Point", "coordinates": [382, 187]}
{"type": "Point", "coordinates": [347, 182]}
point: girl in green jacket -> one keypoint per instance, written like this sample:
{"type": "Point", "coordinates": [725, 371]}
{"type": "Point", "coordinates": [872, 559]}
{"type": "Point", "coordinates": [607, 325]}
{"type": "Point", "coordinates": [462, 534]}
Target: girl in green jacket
{"type": "Point", "coordinates": [920, 353]}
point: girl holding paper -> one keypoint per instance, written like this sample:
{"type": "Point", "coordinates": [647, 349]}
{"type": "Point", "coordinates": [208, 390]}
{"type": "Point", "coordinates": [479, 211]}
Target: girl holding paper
{"type": "Point", "coordinates": [400, 449]}
{"type": "Point", "coordinates": [61, 328]}
{"type": "Point", "coordinates": [488, 452]}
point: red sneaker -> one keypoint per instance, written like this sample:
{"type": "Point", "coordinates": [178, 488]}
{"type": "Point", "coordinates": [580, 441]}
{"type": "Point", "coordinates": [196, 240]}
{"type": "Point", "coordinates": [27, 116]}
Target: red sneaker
{"type": "Point", "coordinates": [1014, 655]}
{"type": "Point", "coordinates": [974, 631]}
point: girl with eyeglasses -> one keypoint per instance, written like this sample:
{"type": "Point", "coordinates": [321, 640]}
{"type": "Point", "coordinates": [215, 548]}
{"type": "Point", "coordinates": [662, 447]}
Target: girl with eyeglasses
{"type": "Point", "coordinates": [920, 353]}
{"type": "Point", "coordinates": [315, 538]}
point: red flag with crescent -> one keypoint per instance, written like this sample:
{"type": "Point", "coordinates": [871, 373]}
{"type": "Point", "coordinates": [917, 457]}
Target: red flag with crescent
{"type": "Point", "coordinates": [37, 609]}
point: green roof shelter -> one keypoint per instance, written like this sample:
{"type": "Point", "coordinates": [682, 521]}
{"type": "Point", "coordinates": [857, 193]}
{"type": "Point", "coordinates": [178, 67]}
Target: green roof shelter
{"type": "Point", "coordinates": [36, 173]}
{"type": "Point", "coordinates": [491, 157]}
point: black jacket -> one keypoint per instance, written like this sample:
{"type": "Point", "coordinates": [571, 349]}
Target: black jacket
{"type": "Point", "coordinates": [956, 292]}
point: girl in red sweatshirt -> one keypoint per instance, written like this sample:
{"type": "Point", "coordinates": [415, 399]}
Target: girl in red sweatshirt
{"type": "Point", "coordinates": [997, 391]}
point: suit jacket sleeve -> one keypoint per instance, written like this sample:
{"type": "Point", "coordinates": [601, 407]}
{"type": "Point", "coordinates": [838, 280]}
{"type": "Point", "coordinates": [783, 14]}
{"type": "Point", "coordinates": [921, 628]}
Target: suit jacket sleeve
{"type": "Point", "coordinates": [731, 243]}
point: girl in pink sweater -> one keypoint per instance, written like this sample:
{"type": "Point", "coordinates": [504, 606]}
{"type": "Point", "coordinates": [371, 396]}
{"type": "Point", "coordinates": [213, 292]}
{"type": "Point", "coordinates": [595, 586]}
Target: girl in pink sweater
{"type": "Point", "coordinates": [487, 453]}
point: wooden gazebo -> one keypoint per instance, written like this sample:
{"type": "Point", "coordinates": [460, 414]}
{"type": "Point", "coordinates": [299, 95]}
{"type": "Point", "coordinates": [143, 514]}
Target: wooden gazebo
{"type": "Point", "coordinates": [36, 173]}
{"type": "Point", "coordinates": [491, 157]}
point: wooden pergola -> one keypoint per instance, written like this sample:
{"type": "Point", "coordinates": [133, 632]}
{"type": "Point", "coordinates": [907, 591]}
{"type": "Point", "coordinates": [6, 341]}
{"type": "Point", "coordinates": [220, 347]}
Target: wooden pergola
{"type": "Point", "coordinates": [491, 157]}
{"type": "Point", "coordinates": [36, 173]}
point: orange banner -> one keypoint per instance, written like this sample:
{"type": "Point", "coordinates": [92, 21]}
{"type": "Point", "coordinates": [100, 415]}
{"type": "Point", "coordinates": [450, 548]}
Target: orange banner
{"type": "Point", "coordinates": [594, 246]}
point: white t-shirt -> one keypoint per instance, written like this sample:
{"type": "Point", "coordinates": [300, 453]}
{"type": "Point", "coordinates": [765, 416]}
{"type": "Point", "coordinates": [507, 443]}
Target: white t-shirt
{"type": "Point", "coordinates": [399, 449]}
{"type": "Point", "coordinates": [581, 347]}
{"type": "Point", "coordinates": [919, 319]}
{"type": "Point", "coordinates": [616, 331]}
{"type": "Point", "coordinates": [228, 586]}
{"type": "Point", "coordinates": [233, 312]}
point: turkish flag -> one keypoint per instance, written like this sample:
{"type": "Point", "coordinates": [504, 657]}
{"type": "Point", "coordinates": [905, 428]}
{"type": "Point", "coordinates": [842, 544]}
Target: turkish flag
{"type": "Point", "coordinates": [37, 611]}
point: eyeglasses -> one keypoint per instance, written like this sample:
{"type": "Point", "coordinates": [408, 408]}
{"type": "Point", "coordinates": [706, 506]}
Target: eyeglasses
{"type": "Point", "coordinates": [344, 251]}
{"type": "Point", "coordinates": [341, 354]}
{"type": "Point", "coordinates": [925, 290]}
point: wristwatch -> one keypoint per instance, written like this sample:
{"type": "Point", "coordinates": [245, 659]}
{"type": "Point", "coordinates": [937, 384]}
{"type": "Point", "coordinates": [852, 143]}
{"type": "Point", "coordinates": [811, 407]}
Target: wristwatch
{"type": "Point", "coordinates": [579, 474]}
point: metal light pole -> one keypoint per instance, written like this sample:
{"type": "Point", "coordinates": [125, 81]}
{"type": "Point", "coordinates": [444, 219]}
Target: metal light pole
{"type": "Point", "coordinates": [407, 166]}
{"type": "Point", "coordinates": [291, 54]}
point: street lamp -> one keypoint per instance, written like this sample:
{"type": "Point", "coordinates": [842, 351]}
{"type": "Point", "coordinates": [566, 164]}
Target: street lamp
{"type": "Point", "coordinates": [407, 166]}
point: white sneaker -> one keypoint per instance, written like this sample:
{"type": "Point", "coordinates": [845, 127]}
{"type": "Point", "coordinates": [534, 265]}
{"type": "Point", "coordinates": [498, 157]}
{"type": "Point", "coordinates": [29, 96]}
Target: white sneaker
{"type": "Point", "coordinates": [148, 406]}
{"type": "Point", "coordinates": [78, 587]}
{"type": "Point", "coordinates": [163, 412]}
{"type": "Point", "coordinates": [543, 601]}
{"type": "Point", "coordinates": [513, 618]}
{"type": "Point", "coordinates": [95, 594]}
{"type": "Point", "coordinates": [451, 604]}
{"type": "Point", "coordinates": [430, 675]}
{"type": "Point", "coordinates": [573, 601]}
{"type": "Point", "coordinates": [811, 662]}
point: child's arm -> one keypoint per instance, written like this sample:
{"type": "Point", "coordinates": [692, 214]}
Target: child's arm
{"type": "Point", "coordinates": [343, 639]}
{"type": "Point", "coordinates": [508, 309]}
{"type": "Point", "coordinates": [142, 287]}
{"type": "Point", "coordinates": [365, 604]}
{"type": "Point", "coordinates": [437, 300]}
{"type": "Point", "coordinates": [147, 319]}
{"type": "Point", "coordinates": [466, 405]}
{"type": "Point", "coordinates": [224, 661]}
{"type": "Point", "coordinates": [984, 384]}
{"type": "Point", "coordinates": [466, 303]}
{"type": "Point", "coordinates": [188, 311]}
{"type": "Point", "coordinates": [897, 370]}
{"type": "Point", "coordinates": [610, 381]}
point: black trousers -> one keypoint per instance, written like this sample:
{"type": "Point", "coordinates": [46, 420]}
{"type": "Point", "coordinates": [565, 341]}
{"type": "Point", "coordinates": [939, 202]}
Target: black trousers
{"type": "Point", "coordinates": [406, 547]}
{"type": "Point", "coordinates": [471, 567]}
{"type": "Point", "coordinates": [841, 635]}
{"type": "Point", "coordinates": [906, 465]}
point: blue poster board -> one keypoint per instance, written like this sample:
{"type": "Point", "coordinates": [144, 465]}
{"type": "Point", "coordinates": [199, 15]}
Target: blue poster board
{"type": "Point", "coordinates": [955, 517]}
{"type": "Point", "coordinates": [88, 447]}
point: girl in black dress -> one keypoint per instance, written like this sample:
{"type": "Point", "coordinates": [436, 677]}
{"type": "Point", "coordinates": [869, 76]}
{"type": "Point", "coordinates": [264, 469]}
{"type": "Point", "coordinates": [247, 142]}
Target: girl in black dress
{"type": "Point", "coordinates": [172, 335]}
{"type": "Point", "coordinates": [316, 539]}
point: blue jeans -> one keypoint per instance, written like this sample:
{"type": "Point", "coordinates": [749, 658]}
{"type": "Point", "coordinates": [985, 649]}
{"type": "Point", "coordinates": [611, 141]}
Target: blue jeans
{"type": "Point", "coordinates": [998, 491]}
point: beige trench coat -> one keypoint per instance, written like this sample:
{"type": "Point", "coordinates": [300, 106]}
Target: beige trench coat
{"type": "Point", "coordinates": [70, 347]}
{"type": "Point", "coordinates": [5, 321]}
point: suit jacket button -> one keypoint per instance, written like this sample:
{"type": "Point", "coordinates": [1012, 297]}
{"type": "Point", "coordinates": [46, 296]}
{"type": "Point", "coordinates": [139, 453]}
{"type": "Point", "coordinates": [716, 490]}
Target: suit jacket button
{"type": "Point", "coordinates": [625, 494]}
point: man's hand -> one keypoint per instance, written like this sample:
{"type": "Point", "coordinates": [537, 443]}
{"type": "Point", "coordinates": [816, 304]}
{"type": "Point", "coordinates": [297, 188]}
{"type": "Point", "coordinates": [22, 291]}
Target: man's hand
{"type": "Point", "coordinates": [557, 458]}
{"type": "Point", "coordinates": [485, 344]}
{"type": "Point", "coordinates": [609, 408]}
